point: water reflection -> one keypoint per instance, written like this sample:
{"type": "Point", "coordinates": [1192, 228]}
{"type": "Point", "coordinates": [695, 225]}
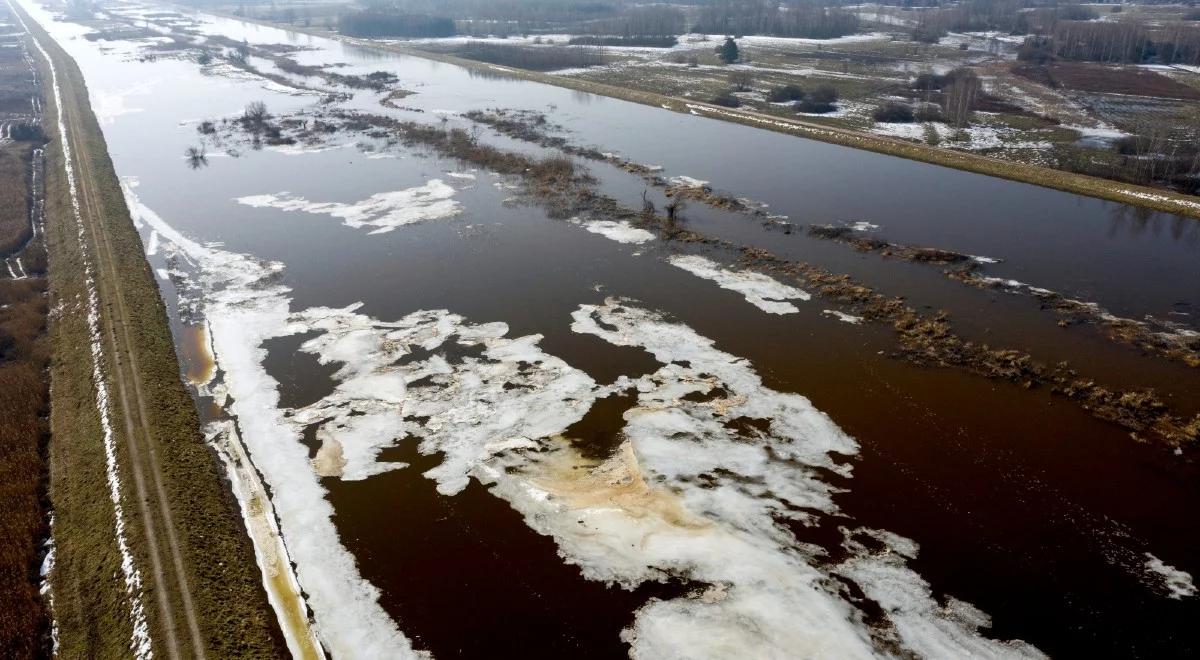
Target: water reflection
{"type": "Point", "coordinates": [1136, 221]}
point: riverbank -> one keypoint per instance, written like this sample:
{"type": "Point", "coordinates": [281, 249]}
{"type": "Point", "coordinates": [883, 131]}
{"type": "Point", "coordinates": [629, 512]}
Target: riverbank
{"type": "Point", "coordinates": [162, 563]}
{"type": "Point", "coordinates": [1152, 198]}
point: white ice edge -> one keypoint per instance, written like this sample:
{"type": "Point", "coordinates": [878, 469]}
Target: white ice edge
{"type": "Point", "coordinates": [258, 514]}
{"type": "Point", "coordinates": [243, 311]}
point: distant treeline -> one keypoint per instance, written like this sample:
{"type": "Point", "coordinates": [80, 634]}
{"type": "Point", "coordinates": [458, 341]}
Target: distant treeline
{"type": "Point", "coordinates": [1115, 43]}
{"type": "Point", "coordinates": [385, 23]}
{"type": "Point", "coordinates": [633, 40]}
{"type": "Point", "coordinates": [534, 58]}
{"type": "Point", "coordinates": [767, 17]}
{"type": "Point", "coordinates": [649, 21]}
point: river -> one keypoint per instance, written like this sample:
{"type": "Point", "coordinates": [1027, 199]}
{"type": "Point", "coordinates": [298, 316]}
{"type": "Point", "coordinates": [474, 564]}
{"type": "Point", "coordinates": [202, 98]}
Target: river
{"type": "Point", "coordinates": [488, 431]}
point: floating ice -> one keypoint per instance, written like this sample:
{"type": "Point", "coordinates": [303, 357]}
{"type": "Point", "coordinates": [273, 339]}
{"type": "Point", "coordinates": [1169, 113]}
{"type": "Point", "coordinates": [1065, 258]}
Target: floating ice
{"type": "Point", "coordinates": [922, 625]}
{"type": "Point", "coordinates": [244, 307]}
{"type": "Point", "coordinates": [688, 182]}
{"type": "Point", "coordinates": [759, 290]}
{"type": "Point", "coordinates": [712, 464]}
{"type": "Point", "coordinates": [842, 316]}
{"type": "Point", "coordinates": [383, 212]}
{"type": "Point", "coordinates": [510, 390]}
{"type": "Point", "coordinates": [1176, 583]}
{"type": "Point", "coordinates": [620, 231]}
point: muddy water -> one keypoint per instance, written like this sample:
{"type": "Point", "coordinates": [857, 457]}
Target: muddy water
{"type": "Point", "coordinates": [1022, 503]}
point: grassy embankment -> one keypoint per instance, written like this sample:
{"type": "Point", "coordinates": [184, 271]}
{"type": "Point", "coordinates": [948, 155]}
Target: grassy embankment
{"type": "Point", "coordinates": [1154, 198]}
{"type": "Point", "coordinates": [91, 608]}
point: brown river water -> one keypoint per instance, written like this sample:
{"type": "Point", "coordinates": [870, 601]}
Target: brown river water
{"type": "Point", "coordinates": [492, 433]}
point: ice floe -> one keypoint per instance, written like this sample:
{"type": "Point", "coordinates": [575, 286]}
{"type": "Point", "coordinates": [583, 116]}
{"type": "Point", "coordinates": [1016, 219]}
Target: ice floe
{"type": "Point", "coordinates": [620, 231]}
{"type": "Point", "coordinates": [842, 316]}
{"type": "Point", "coordinates": [502, 390]}
{"type": "Point", "coordinates": [921, 624]}
{"type": "Point", "coordinates": [759, 290]}
{"type": "Point", "coordinates": [244, 306]}
{"type": "Point", "coordinates": [690, 488]}
{"type": "Point", "coordinates": [381, 212]}
{"type": "Point", "coordinates": [1176, 584]}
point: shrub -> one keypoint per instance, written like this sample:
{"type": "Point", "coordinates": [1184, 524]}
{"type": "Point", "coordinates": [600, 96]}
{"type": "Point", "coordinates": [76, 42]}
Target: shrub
{"type": "Point", "coordinates": [819, 101]}
{"type": "Point", "coordinates": [928, 34]}
{"type": "Point", "coordinates": [893, 112]}
{"type": "Point", "coordinates": [785, 94]}
{"type": "Point", "coordinates": [726, 99]}
{"type": "Point", "coordinates": [639, 41]}
{"type": "Point", "coordinates": [1038, 50]}
{"type": "Point", "coordinates": [928, 112]}
{"type": "Point", "coordinates": [1076, 13]}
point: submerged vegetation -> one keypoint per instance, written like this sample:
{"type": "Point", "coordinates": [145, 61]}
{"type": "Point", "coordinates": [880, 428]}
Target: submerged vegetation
{"type": "Point", "coordinates": [566, 191]}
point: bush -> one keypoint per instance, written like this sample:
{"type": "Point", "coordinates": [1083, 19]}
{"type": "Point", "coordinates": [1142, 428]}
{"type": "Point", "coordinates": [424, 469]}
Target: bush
{"type": "Point", "coordinates": [928, 34]}
{"type": "Point", "coordinates": [894, 112]}
{"type": "Point", "coordinates": [819, 101]}
{"type": "Point", "coordinates": [727, 100]}
{"type": "Point", "coordinates": [785, 94]}
{"type": "Point", "coordinates": [1076, 13]}
{"type": "Point", "coordinates": [1038, 50]}
{"type": "Point", "coordinates": [928, 112]}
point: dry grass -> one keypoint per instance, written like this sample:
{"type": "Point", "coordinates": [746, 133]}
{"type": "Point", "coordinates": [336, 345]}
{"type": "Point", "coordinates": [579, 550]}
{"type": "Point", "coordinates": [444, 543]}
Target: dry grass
{"type": "Point", "coordinates": [1100, 79]}
{"type": "Point", "coordinates": [14, 196]}
{"type": "Point", "coordinates": [24, 396]}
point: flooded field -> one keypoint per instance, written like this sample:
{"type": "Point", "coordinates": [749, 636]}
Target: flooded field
{"type": "Point", "coordinates": [507, 398]}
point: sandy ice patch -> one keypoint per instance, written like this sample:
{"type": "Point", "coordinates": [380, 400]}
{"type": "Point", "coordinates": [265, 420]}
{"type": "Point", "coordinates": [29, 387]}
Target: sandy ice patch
{"type": "Point", "coordinates": [381, 212]}
{"type": "Point", "coordinates": [759, 290]}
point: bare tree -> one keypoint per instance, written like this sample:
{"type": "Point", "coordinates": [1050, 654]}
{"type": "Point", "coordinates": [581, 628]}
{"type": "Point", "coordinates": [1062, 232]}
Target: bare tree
{"type": "Point", "coordinates": [674, 207]}
{"type": "Point", "coordinates": [196, 157]}
{"type": "Point", "coordinates": [255, 114]}
{"type": "Point", "coordinates": [648, 210]}
{"type": "Point", "coordinates": [741, 80]}
{"type": "Point", "coordinates": [959, 98]}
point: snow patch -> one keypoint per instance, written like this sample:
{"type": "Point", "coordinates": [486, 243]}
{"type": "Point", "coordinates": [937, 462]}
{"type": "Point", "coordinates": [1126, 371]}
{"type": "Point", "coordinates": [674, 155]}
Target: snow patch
{"type": "Point", "coordinates": [842, 316]}
{"type": "Point", "coordinates": [759, 290]}
{"type": "Point", "coordinates": [382, 212]}
{"type": "Point", "coordinates": [620, 231]}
